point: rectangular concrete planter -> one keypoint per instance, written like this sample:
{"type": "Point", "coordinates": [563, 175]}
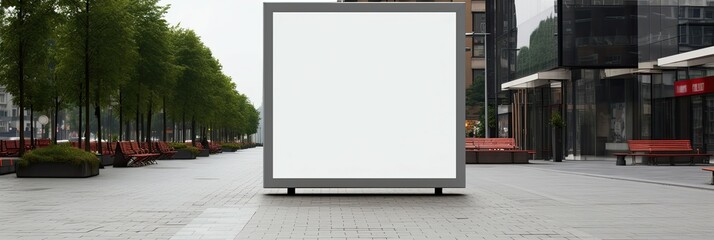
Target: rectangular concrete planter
{"type": "Point", "coordinates": [496, 157]}
{"type": "Point", "coordinates": [183, 154]}
{"type": "Point", "coordinates": [204, 153]}
{"type": "Point", "coordinates": [107, 160]}
{"type": "Point", "coordinates": [230, 149]}
{"type": "Point", "coordinates": [57, 170]}
{"type": "Point", "coordinates": [7, 165]}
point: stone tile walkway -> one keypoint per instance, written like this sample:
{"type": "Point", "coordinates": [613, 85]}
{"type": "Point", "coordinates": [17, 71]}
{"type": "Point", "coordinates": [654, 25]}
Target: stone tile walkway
{"type": "Point", "coordinates": [221, 197]}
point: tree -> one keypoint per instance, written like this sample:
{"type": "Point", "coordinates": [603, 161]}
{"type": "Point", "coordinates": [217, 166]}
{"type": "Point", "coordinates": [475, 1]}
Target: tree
{"type": "Point", "coordinates": [99, 37]}
{"type": "Point", "coordinates": [26, 29]}
{"type": "Point", "coordinates": [154, 71]}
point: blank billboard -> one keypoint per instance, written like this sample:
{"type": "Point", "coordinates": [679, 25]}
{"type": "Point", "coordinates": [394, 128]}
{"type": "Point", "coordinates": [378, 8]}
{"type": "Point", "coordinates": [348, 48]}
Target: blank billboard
{"type": "Point", "coordinates": [364, 95]}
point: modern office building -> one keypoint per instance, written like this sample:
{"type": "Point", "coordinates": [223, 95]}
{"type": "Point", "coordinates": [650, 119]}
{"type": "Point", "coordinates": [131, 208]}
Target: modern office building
{"type": "Point", "coordinates": [615, 69]}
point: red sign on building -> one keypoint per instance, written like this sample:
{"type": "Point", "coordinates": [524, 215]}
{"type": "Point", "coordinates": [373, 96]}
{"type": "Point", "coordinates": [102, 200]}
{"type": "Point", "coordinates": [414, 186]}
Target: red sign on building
{"type": "Point", "coordinates": [694, 86]}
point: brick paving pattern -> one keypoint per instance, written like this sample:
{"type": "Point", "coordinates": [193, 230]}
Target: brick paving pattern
{"type": "Point", "coordinates": [221, 197]}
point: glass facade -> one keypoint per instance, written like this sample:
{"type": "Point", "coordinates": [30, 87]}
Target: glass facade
{"type": "Point", "coordinates": [599, 34]}
{"type": "Point", "coordinates": [668, 27]}
{"type": "Point", "coordinates": [536, 47]}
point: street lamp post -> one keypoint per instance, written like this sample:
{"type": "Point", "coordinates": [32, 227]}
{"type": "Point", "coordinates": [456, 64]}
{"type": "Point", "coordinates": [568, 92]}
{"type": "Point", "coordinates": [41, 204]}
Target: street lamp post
{"type": "Point", "coordinates": [485, 76]}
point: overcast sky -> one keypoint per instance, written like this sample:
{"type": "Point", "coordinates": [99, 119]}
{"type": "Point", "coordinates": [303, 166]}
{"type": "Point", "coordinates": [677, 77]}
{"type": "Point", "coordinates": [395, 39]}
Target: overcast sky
{"type": "Point", "coordinates": [233, 29]}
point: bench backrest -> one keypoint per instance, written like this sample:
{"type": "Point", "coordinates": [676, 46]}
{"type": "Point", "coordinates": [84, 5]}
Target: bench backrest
{"type": "Point", "coordinates": [42, 142]}
{"type": "Point", "coordinates": [491, 143]}
{"type": "Point", "coordinates": [659, 145]}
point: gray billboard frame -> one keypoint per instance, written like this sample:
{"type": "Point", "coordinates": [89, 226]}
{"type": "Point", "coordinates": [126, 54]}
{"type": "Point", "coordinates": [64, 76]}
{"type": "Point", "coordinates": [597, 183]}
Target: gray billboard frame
{"type": "Point", "coordinates": [290, 183]}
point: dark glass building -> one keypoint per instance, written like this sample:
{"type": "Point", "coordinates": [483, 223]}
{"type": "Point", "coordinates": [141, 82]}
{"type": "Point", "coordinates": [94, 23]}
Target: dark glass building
{"type": "Point", "coordinates": [609, 67]}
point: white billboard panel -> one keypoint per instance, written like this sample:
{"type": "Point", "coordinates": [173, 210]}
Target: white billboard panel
{"type": "Point", "coordinates": [363, 94]}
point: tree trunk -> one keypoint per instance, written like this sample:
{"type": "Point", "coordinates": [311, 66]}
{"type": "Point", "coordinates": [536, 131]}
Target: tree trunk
{"type": "Point", "coordinates": [79, 108]}
{"type": "Point", "coordinates": [21, 77]}
{"type": "Point", "coordinates": [193, 130]}
{"type": "Point", "coordinates": [183, 128]}
{"type": "Point", "coordinates": [98, 113]}
{"type": "Point", "coordinates": [148, 126]}
{"type": "Point", "coordinates": [54, 123]}
{"type": "Point", "coordinates": [164, 119]}
{"type": "Point", "coordinates": [138, 137]}
{"type": "Point", "coordinates": [121, 119]}
{"type": "Point", "coordinates": [32, 128]}
{"type": "Point", "coordinates": [86, 77]}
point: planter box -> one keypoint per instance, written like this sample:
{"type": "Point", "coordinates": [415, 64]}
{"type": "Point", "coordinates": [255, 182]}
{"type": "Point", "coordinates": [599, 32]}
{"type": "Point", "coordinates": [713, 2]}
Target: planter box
{"type": "Point", "coordinates": [230, 149]}
{"type": "Point", "coordinates": [107, 160]}
{"type": "Point", "coordinates": [8, 165]}
{"type": "Point", "coordinates": [183, 154]}
{"type": "Point", "coordinates": [57, 170]}
{"type": "Point", "coordinates": [204, 153]}
{"type": "Point", "coordinates": [496, 157]}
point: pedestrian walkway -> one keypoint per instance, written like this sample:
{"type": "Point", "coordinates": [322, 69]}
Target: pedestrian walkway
{"type": "Point", "coordinates": [679, 175]}
{"type": "Point", "coordinates": [221, 197]}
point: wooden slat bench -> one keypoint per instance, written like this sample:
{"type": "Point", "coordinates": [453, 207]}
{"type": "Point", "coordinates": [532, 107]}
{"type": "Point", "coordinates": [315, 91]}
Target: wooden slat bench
{"type": "Point", "coordinates": [711, 169]}
{"type": "Point", "coordinates": [495, 150]}
{"type": "Point", "coordinates": [166, 151]}
{"type": "Point", "coordinates": [128, 154]}
{"type": "Point", "coordinates": [654, 149]}
{"type": "Point", "coordinates": [204, 152]}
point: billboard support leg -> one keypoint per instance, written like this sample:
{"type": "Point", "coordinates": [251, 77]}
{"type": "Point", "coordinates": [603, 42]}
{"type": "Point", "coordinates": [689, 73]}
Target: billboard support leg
{"type": "Point", "coordinates": [291, 191]}
{"type": "Point", "coordinates": [438, 191]}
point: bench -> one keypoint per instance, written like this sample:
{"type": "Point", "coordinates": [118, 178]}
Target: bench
{"type": "Point", "coordinates": [495, 150]}
{"type": "Point", "coordinates": [166, 151]}
{"type": "Point", "coordinates": [12, 147]}
{"type": "Point", "coordinates": [40, 143]}
{"type": "Point", "coordinates": [203, 152]}
{"type": "Point", "coordinates": [711, 169]}
{"type": "Point", "coordinates": [653, 149]}
{"type": "Point", "coordinates": [129, 154]}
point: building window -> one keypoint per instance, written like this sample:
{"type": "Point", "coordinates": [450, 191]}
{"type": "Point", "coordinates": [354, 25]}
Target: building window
{"type": "Point", "coordinates": [14, 113]}
{"type": "Point", "coordinates": [479, 26]}
{"type": "Point", "coordinates": [3, 113]}
{"type": "Point", "coordinates": [2, 98]}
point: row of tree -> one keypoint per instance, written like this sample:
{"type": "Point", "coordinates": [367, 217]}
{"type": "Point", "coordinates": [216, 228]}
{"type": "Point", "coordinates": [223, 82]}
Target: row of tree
{"type": "Point", "coordinates": [58, 54]}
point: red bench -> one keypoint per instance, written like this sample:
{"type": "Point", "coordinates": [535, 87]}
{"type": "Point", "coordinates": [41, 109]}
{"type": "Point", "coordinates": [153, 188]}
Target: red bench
{"type": "Point", "coordinates": [166, 151]}
{"type": "Point", "coordinates": [129, 154]}
{"type": "Point", "coordinates": [495, 150]}
{"type": "Point", "coordinates": [40, 143]}
{"type": "Point", "coordinates": [654, 149]}
{"type": "Point", "coordinates": [12, 147]}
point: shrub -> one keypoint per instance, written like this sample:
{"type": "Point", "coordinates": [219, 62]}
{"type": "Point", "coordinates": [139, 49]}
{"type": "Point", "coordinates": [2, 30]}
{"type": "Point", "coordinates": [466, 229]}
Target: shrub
{"type": "Point", "coordinates": [177, 146]}
{"type": "Point", "coordinates": [231, 145]}
{"type": "Point", "coordinates": [186, 146]}
{"type": "Point", "coordinates": [62, 153]}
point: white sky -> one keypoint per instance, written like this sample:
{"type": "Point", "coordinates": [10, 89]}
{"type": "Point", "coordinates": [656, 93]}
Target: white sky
{"type": "Point", "coordinates": [233, 29]}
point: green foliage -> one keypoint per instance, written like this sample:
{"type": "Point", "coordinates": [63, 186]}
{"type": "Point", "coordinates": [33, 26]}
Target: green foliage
{"type": "Point", "coordinates": [556, 120]}
{"type": "Point", "coordinates": [480, 129]}
{"type": "Point", "coordinates": [187, 146]}
{"type": "Point", "coordinates": [62, 153]}
{"type": "Point", "coordinates": [541, 52]}
{"type": "Point", "coordinates": [27, 25]}
{"type": "Point", "coordinates": [130, 51]}
{"type": "Point", "coordinates": [474, 94]}
{"type": "Point", "coordinates": [111, 48]}
{"type": "Point", "coordinates": [232, 145]}
{"type": "Point", "coordinates": [177, 145]}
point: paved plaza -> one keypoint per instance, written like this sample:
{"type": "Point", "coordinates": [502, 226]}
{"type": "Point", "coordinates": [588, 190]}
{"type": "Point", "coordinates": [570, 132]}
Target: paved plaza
{"type": "Point", "coordinates": [221, 197]}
